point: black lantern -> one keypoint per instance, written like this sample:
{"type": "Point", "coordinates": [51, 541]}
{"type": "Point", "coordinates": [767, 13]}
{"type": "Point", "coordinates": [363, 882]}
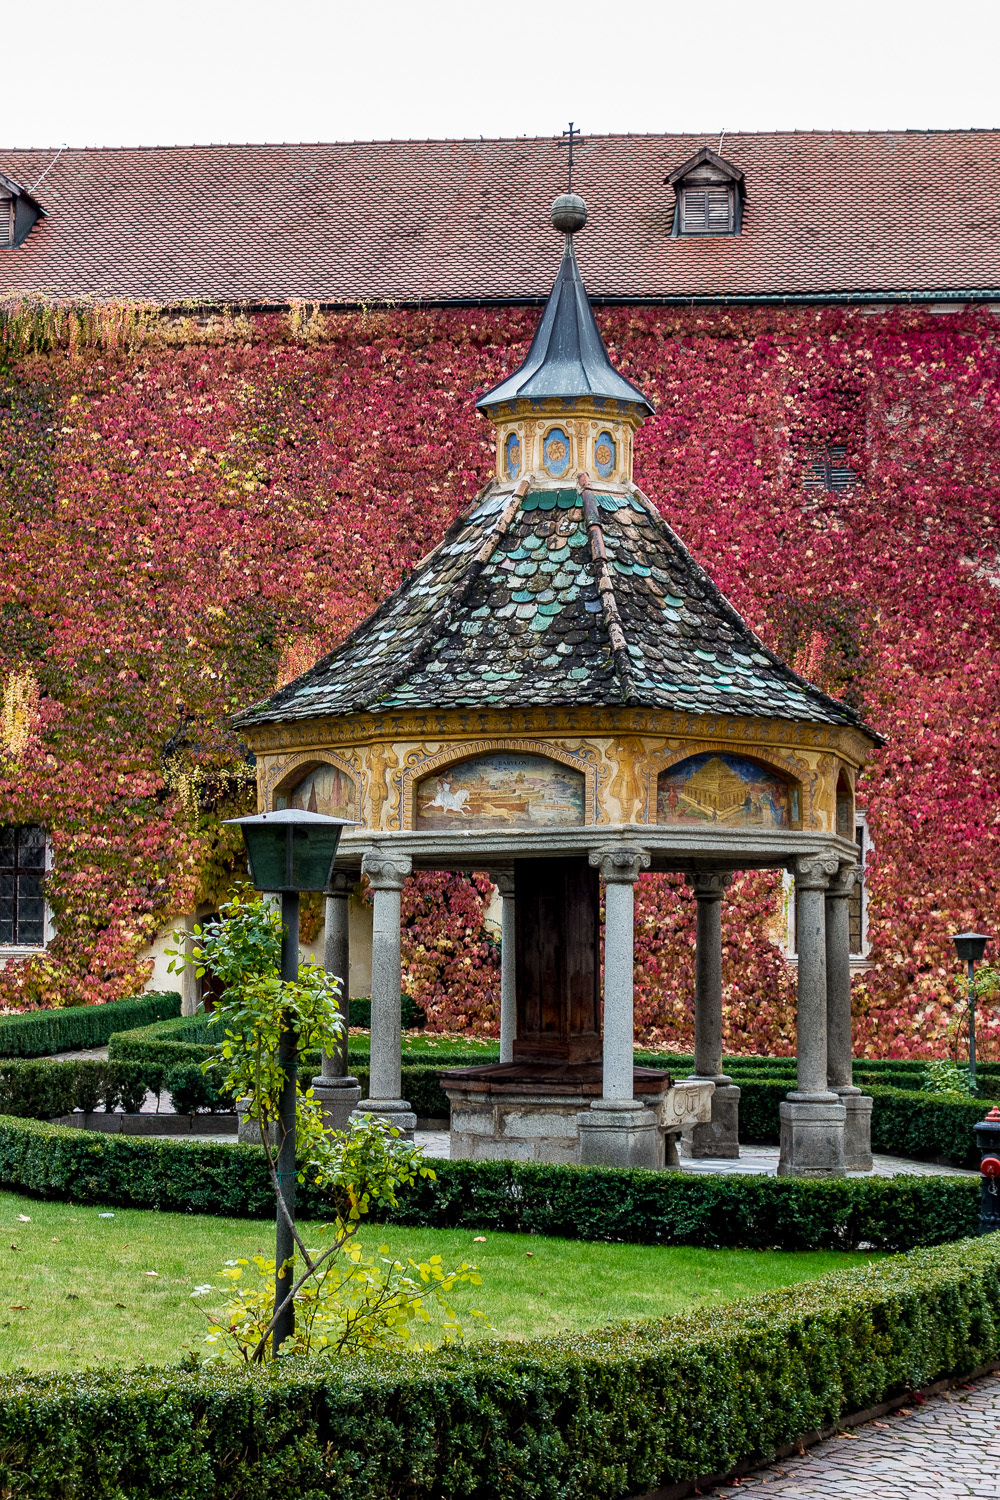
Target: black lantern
{"type": "Point", "coordinates": [969, 948]}
{"type": "Point", "coordinates": [289, 851]}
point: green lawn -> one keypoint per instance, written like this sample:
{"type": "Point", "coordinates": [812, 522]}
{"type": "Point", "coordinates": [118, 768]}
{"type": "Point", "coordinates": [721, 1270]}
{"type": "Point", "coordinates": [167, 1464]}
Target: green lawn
{"type": "Point", "coordinates": [77, 1289]}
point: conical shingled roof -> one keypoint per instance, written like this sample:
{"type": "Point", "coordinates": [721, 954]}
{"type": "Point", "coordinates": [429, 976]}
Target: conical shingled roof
{"type": "Point", "coordinates": [567, 358]}
{"type": "Point", "coordinates": [555, 597]}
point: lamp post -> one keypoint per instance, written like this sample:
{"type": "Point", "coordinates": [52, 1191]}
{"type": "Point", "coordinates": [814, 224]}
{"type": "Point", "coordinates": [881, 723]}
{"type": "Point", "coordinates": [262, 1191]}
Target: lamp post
{"type": "Point", "coordinates": [288, 852]}
{"type": "Point", "coordinates": [969, 948]}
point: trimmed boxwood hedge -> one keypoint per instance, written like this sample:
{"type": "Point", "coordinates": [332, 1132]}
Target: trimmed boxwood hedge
{"type": "Point", "coordinates": [592, 1203]}
{"type": "Point", "coordinates": [37, 1033]}
{"type": "Point", "coordinates": [41, 1088]}
{"type": "Point", "coordinates": [905, 1122]}
{"type": "Point", "coordinates": [596, 1416]}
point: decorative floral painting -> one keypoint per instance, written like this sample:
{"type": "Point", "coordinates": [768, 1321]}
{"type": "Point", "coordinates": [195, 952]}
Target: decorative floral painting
{"type": "Point", "coordinates": [725, 789]}
{"type": "Point", "coordinates": [501, 789]}
{"type": "Point", "coordinates": [327, 790]}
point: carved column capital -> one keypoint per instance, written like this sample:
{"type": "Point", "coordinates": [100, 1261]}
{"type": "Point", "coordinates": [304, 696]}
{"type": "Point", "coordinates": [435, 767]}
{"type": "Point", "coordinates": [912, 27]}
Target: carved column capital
{"type": "Point", "coordinates": [842, 884]}
{"type": "Point", "coordinates": [386, 872]}
{"type": "Point", "coordinates": [709, 885]}
{"type": "Point", "coordinates": [813, 871]}
{"type": "Point", "coordinates": [341, 883]}
{"type": "Point", "coordinates": [620, 864]}
{"type": "Point", "coordinates": [504, 882]}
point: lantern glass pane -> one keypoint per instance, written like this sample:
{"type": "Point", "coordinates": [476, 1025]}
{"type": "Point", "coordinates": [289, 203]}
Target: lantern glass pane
{"type": "Point", "coordinates": [266, 853]}
{"type": "Point", "coordinates": [313, 853]}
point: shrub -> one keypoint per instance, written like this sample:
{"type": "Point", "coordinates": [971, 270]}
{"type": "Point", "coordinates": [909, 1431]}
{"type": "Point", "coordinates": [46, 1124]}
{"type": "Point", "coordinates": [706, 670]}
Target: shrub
{"type": "Point", "coordinates": [44, 1088]}
{"type": "Point", "coordinates": [37, 1033]}
{"type": "Point", "coordinates": [411, 1014]}
{"type": "Point", "coordinates": [191, 1090]}
{"type": "Point", "coordinates": [597, 1416]}
{"type": "Point", "coordinates": [590, 1203]}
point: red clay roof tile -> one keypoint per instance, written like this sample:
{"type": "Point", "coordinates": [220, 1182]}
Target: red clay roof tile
{"type": "Point", "coordinates": [439, 221]}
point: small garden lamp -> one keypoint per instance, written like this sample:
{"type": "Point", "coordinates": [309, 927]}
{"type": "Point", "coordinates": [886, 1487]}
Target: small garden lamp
{"type": "Point", "coordinates": [289, 851]}
{"type": "Point", "coordinates": [969, 948]}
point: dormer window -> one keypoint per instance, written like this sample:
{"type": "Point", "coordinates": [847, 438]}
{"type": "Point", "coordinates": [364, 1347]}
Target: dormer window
{"type": "Point", "coordinates": [710, 193]}
{"type": "Point", "coordinates": [18, 212]}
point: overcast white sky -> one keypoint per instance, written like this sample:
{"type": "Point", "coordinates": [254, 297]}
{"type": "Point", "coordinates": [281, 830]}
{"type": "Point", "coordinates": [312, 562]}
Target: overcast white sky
{"type": "Point", "coordinates": [144, 72]}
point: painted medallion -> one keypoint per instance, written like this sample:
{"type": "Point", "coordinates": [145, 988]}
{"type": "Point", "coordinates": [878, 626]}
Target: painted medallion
{"type": "Point", "coordinates": [327, 790]}
{"type": "Point", "coordinates": [502, 789]}
{"type": "Point", "coordinates": [512, 455]}
{"type": "Point", "coordinates": [555, 452]}
{"type": "Point", "coordinates": [605, 455]}
{"type": "Point", "coordinates": [726, 789]}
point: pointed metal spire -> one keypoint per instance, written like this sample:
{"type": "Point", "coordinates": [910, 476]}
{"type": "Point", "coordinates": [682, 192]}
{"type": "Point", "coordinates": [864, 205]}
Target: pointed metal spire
{"type": "Point", "coordinates": [567, 358]}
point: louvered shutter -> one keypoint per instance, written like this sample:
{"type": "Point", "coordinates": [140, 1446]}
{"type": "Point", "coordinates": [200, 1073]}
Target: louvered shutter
{"type": "Point", "coordinates": [707, 210]}
{"type": "Point", "coordinates": [6, 221]}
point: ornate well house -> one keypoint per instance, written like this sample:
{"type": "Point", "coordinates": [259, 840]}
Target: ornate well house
{"type": "Point", "coordinates": [559, 694]}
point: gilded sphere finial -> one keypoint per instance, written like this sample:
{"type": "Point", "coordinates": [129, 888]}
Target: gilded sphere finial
{"type": "Point", "coordinates": [569, 213]}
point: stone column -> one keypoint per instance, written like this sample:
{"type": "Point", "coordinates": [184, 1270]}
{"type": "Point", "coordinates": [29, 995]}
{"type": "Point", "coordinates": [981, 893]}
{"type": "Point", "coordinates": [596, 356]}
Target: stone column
{"type": "Point", "coordinates": [839, 1041]}
{"type": "Point", "coordinates": [386, 873]}
{"type": "Point", "coordinates": [721, 1137]}
{"type": "Point", "coordinates": [618, 1131]}
{"type": "Point", "coordinates": [812, 1117]}
{"type": "Point", "coordinates": [508, 969]}
{"type": "Point", "coordinates": [336, 1090]}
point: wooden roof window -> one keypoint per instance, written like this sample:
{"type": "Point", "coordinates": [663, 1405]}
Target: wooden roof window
{"type": "Point", "coordinates": [709, 196]}
{"type": "Point", "coordinates": [18, 212]}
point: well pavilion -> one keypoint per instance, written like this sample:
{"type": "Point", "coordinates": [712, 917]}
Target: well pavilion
{"type": "Point", "coordinates": [558, 694]}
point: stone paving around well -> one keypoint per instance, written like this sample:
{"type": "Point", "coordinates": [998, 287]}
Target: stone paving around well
{"type": "Point", "coordinates": [944, 1448]}
{"type": "Point", "coordinates": [752, 1159]}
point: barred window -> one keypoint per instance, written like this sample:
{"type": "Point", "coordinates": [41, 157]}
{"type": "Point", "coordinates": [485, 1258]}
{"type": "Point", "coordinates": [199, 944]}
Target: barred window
{"type": "Point", "coordinates": [22, 901]}
{"type": "Point", "coordinates": [830, 471]}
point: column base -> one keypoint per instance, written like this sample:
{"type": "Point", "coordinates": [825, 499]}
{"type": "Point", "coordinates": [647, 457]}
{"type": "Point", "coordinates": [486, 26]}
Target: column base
{"type": "Point", "coordinates": [396, 1111]}
{"type": "Point", "coordinates": [812, 1136]}
{"type": "Point", "coordinates": [857, 1129]}
{"type": "Point", "coordinates": [620, 1133]}
{"type": "Point", "coordinates": [248, 1131]}
{"type": "Point", "coordinates": [337, 1097]}
{"type": "Point", "coordinates": [720, 1138]}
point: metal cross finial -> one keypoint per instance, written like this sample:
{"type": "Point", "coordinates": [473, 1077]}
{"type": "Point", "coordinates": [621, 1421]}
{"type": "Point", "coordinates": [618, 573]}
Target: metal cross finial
{"type": "Point", "coordinates": [571, 133]}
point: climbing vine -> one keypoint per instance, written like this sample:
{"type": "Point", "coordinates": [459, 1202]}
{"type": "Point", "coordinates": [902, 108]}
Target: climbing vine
{"type": "Point", "coordinates": [190, 509]}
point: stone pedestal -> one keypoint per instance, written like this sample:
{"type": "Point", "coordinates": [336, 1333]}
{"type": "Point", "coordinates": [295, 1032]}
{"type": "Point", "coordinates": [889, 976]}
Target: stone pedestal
{"type": "Point", "coordinates": [812, 1136]}
{"type": "Point", "coordinates": [338, 1097]}
{"type": "Point", "coordinates": [543, 1112]}
{"type": "Point", "coordinates": [247, 1130]}
{"type": "Point", "coordinates": [613, 1135]}
{"type": "Point", "coordinates": [857, 1129]}
{"type": "Point", "coordinates": [719, 1139]}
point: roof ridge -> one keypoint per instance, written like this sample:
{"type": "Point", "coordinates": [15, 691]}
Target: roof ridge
{"type": "Point", "coordinates": [606, 590]}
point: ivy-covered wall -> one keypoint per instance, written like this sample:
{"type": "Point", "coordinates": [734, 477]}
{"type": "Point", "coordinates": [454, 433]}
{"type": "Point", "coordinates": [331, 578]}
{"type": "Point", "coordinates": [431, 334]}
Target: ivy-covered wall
{"type": "Point", "coordinates": [192, 511]}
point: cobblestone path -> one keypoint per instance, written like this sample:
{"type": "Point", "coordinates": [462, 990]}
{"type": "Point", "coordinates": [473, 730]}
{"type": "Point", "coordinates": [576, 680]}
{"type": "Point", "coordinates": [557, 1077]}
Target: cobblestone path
{"type": "Point", "coordinates": [943, 1449]}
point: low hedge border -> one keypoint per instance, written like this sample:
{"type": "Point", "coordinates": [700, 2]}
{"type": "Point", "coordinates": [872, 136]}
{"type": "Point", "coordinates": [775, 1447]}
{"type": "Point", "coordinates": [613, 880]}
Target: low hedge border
{"type": "Point", "coordinates": [590, 1203]}
{"type": "Point", "coordinates": [598, 1416]}
{"type": "Point", "coordinates": [37, 1033]}
{"type": "Point", "coordinates": [40, 1088]}
{"type": "Point", "coordinates": [905, 1122]}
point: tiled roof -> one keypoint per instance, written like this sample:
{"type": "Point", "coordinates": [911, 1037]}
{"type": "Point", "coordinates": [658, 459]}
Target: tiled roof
{"type": "Point", "coordinates": [825, 213]}
{"type": "Point", "coordinates": [555, 597]}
